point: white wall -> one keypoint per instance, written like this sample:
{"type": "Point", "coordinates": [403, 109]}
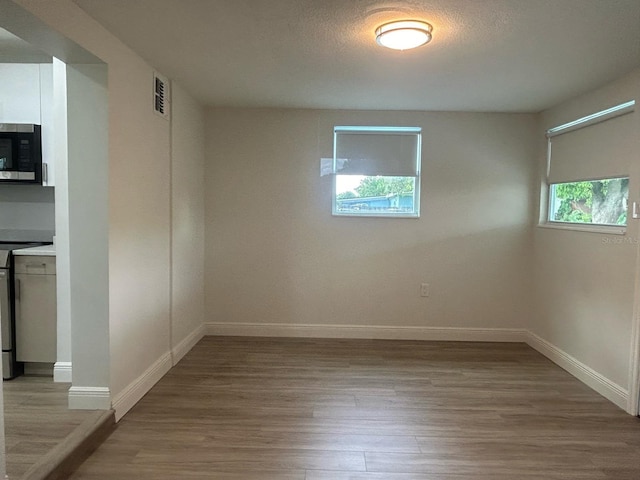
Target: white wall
{"type": "Point", "coordinates": [584, 281]}
{"type": "Point", "coordinates": [275, 255]}
{"type": "Point", "coordinates": [62, 368]}
{"type": "Point", "coordinates": [187, 221]}
{"type": "Point", "coordinates": [139, 208]}
{"type": "Point", "coordinates": [88, 214]}
{"type": "Point", "coordinates": [139, 223]}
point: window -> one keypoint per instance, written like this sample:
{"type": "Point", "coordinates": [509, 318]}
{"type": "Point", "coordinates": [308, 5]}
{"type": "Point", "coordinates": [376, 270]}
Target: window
{"type": "Point", "coordinates": [599, 202]}
{"type": "Point", "coordinates": [376, 171]}
{"type": "Point", "coordinates": [587, 170]}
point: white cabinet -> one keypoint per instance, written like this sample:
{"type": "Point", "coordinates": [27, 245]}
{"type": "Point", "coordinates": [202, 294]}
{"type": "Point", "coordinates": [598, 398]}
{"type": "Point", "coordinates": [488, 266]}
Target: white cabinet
{"type": "Point", "coordinates": [26, 96]}
{"type": "Point", "coordinates": [48, 124]}
{"type": "Point", "coordinates": [35, 291]}
{"type": "Point", "coordinates": [20, 93]}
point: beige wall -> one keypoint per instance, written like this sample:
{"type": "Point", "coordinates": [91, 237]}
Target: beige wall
{"type": "Point", "coordinates": [187, 216]}
{"type": "Point", "coordinates": [276, 255]}
{"type": "Point", "coordinates": [139, 222]}
{"type": "Point", "coordinates": [140, 230]}
{"type": "Point", "coordinates": [585, 281]}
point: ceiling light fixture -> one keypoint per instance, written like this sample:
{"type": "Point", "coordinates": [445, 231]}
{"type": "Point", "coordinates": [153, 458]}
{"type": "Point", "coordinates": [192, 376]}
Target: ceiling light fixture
{"type": "Point", "coordinates": [404, 34]}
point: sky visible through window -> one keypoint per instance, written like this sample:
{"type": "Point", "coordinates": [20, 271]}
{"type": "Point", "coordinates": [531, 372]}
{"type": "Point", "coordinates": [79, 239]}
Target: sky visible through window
{"type": "Point", "coordinates": [346, 183]}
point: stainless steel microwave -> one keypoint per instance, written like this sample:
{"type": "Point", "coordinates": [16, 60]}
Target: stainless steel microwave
{"type": "Point", "coordinates": [20, 153]}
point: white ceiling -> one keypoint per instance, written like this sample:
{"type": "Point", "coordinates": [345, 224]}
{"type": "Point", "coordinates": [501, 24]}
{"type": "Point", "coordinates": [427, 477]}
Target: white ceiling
{"type": "Point", "coordinates": [486, 55]}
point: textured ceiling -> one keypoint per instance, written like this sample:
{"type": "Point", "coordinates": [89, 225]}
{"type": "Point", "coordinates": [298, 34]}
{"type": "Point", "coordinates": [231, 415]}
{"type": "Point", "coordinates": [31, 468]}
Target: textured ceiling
{"type": "Point", "coordinates": [486, 55]}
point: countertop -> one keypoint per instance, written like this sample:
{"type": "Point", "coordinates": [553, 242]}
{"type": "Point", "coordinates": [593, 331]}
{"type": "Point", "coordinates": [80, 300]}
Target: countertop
{"type": "Point", "coordinates": [44, 250]}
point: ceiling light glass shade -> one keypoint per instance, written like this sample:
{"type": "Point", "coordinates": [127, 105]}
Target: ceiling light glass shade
{"type": "Point", "coordinates": [404, 34]}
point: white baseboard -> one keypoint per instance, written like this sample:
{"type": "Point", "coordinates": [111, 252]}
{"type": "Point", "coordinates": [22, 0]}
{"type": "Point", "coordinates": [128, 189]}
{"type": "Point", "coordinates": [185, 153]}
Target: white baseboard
{"type": "Point", "coordinates": [601, 384]}
{"type": "Point", "coordinates": [89, 398]}
{"type": "Point", "coordinates": [186, 345]}
{"type": "Point", "coordinates": [607, 388]}
{"type": "Point", "coordinates": [62, 372]}
{"type": "Point", "coordinates": [127, 398]}
{"type": "Point", "coordinates": [367, 332]}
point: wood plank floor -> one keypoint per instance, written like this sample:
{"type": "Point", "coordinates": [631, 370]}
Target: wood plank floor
{"type": "Point", "coordinates": [301, 409]}
{"type": "Point", "coordinates": [37, 419]}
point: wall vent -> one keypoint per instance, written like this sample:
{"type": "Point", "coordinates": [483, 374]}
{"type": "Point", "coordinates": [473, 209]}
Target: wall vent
{"type": "Point", "coordinates": [161, 96]}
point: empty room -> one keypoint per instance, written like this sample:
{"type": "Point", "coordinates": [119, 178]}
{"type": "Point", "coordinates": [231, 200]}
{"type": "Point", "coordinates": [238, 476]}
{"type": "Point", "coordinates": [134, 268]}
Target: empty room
{"type": "Point", "coordinates": [325, 240]}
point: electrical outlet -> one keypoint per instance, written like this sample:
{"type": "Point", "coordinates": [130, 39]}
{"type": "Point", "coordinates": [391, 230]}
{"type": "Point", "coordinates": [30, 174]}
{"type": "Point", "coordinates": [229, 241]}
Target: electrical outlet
{"type": "Point", "coordinates": [424, 289]}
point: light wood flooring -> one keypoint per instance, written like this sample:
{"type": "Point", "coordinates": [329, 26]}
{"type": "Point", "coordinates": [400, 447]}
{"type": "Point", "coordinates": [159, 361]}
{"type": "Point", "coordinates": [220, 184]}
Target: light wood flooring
{"type": "Point", "coordinates": [37, 420]}
{"type": "Point", "coordinates": [301, 409]}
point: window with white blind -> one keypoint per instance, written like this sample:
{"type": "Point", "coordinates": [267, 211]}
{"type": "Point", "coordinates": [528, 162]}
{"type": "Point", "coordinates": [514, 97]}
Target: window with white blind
{"type": "Point", "coordinates": [376, 171]}
{"type": "Point", "coordinates": [588, 168]}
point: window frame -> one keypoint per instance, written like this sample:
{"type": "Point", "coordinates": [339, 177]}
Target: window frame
{"type": "Point", "coordinates": [585, 225]}
{"type": "Point", "coordinates": [598, 117]}
{"type": "Point", "coordinates": [383, 130]}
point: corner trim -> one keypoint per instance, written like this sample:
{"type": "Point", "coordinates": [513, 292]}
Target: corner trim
{"type": "Point", "coordinates": [182, 348]}
{"type": "Point", "coordinates": [89, 398]}
{"type": "Point", "coordinates": [62, 372]}
{"type": "Point", "coordinates": [601, 384]}
{"type": "Point", "coordinates": [367, 332]}
{"type": "Point", "coordinates": [132, 393]}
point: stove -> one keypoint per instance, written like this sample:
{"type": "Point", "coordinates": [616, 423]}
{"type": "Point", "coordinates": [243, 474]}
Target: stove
{"type": "Point", "coordinates": [10, 367]}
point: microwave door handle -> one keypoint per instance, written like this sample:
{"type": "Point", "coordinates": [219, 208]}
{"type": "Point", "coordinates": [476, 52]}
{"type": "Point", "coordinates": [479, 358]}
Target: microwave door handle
{"type": "Point", "coordinates": [45, 173]}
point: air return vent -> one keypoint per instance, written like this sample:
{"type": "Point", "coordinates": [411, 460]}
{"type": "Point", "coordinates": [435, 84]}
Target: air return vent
{"type": "Point", "coordinates": [161, 95]}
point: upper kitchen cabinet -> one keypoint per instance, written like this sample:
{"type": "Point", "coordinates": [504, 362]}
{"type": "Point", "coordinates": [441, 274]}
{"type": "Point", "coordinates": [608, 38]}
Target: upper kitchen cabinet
{"type": "Point", "coordinates": [48, 124]}
{"type": "Point", "coordinates": [26, 96]}
{"type": "Point", "coordinates": [20, 93]}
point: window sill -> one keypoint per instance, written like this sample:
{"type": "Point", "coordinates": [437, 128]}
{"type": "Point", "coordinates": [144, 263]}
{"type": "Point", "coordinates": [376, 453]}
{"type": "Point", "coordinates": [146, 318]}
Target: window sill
{"type": "Point", "coordinates": [376, 215]}
{"type": "Point", "coordinates": [604, 229]}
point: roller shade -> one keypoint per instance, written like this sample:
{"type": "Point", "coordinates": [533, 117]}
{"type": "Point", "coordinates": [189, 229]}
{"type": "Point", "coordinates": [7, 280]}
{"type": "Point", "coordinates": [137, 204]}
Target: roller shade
{"type": "Point", "coordinates": [595, 151]}
{"type": "Point", "coordinates": [387, 151]}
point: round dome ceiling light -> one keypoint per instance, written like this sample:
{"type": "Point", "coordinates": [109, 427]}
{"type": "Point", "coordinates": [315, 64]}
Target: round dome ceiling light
{"type": "Point", "coordinates": [404, 34]}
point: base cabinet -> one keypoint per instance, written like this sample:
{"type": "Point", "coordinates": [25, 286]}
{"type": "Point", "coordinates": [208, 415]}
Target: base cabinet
{"type": "Point", "coordinates": [35, 294]}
